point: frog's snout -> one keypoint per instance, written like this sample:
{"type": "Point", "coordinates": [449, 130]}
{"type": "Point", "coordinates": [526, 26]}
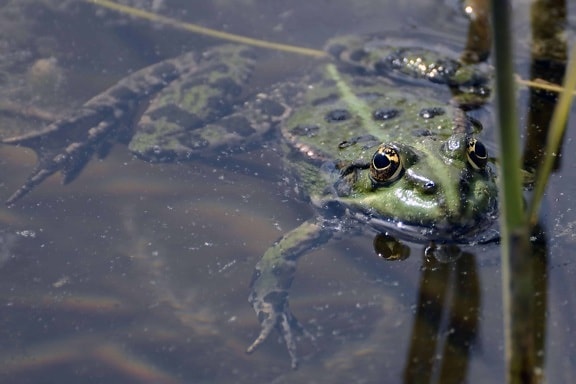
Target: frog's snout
{"type": "Point", "coordinates": [421, 182]}
{"type": "Point", "coordinates": [429, 187]}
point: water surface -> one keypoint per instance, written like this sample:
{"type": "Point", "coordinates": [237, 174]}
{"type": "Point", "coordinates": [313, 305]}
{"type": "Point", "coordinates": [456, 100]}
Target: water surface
{"type": "Point", "coordinates": [139, 272]}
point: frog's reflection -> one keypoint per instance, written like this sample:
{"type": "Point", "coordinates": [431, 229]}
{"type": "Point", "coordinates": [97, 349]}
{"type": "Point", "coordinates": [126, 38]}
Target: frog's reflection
{"type": "Point", "coordinates": [447, 315]}
{"type": "Point", "coordinates": [446, 320]}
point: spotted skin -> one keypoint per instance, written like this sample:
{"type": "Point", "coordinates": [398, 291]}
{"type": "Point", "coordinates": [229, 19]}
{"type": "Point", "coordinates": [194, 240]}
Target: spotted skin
{"type": "Point", "coordinates": [67, 145]}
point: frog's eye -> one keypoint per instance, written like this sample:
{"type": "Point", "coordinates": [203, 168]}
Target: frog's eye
{"type": "Point", "coordinates": [476, 153]}
{"type": "Point", "coordinates": [385, 166]}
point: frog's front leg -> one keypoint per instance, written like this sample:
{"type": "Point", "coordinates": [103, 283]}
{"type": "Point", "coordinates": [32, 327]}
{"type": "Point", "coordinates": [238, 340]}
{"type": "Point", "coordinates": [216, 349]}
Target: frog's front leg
{"type": "Point", "coordinates": [271, 282]}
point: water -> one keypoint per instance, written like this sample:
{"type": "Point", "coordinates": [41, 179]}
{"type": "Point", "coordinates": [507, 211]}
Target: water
{"type": "Point", "coordinates": [139, 272]}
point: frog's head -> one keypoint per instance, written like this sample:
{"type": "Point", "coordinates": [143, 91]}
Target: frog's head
{"type": "Point", "coordinates": [441, 189]}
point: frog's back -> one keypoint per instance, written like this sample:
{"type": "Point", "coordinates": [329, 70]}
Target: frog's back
{"type": "Point", "coordinates": [344, 117]}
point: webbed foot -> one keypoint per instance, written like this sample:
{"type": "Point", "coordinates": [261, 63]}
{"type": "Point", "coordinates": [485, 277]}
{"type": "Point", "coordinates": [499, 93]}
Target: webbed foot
{"type": "Point", "coordinates": [274, 313]}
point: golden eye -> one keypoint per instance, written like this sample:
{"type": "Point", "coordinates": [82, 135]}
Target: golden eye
{"type": "Point", "coordinates": [476, 153]}
{"type": "Point", "coordinates": [385, 166]}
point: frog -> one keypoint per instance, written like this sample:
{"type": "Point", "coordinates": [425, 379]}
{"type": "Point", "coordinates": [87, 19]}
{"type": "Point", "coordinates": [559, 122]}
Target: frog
{"type": "Point", "coordinates": [362, 150]}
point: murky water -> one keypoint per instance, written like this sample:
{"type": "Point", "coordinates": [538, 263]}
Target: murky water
{"type": "Point", "coordinates": [139, 272]}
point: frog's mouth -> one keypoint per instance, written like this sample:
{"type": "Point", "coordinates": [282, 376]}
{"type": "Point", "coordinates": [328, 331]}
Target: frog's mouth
{"type": "Point", "coordinates": [439, 220]}
{"type": "Point", "coordinates": [463, 216]}
{"type": "Point", "coordinates": [482, 232]}
{"type": "Point", "coordinates": [479, 228]}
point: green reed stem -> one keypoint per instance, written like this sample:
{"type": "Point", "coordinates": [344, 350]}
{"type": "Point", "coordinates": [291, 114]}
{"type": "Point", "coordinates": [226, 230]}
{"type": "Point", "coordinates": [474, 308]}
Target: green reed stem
{"type": "Point", "coordinates": [516, 270]}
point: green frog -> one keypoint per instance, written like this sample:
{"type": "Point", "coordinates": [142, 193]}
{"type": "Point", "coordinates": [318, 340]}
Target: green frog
{"type": "Point", "coordinates": [362, 149]}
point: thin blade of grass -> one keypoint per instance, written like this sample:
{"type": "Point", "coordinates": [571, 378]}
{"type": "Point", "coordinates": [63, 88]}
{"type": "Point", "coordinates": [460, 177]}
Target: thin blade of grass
{"type": "Point", "coordinates": [555, 134]}
{"type": "Point", "coordinates": [139, 13]}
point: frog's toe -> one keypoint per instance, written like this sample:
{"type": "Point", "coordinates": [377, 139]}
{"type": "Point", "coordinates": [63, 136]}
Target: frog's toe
{"type": "Point", "coordinates": [288, 326]}
{"type": "Point", "coordinates": [267, 327]}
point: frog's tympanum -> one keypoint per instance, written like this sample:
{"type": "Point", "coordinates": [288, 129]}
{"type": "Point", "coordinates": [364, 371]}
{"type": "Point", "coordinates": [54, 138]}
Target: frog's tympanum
{"type": "Point", "coordinates": [364, 151]}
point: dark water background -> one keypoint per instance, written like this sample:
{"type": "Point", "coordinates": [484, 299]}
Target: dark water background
{"type": "Point", "coordinates": [139, 272]}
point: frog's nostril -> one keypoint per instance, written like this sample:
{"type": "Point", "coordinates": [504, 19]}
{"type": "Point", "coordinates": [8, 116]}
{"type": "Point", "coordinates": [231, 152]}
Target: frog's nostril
{"type": "Point", "coordinates": [429, 187]}
{"type": "Point", "coordinates": [421, 182]}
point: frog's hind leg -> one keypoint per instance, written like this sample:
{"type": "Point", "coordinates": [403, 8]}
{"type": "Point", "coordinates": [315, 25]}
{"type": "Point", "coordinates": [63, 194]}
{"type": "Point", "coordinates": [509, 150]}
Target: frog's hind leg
{"type": "Point", "coordinates": [67, 145]}
{"type": "Point", "coordinates": [271, 282]}
{"type": "Point", "coordinates": [208, 111]}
